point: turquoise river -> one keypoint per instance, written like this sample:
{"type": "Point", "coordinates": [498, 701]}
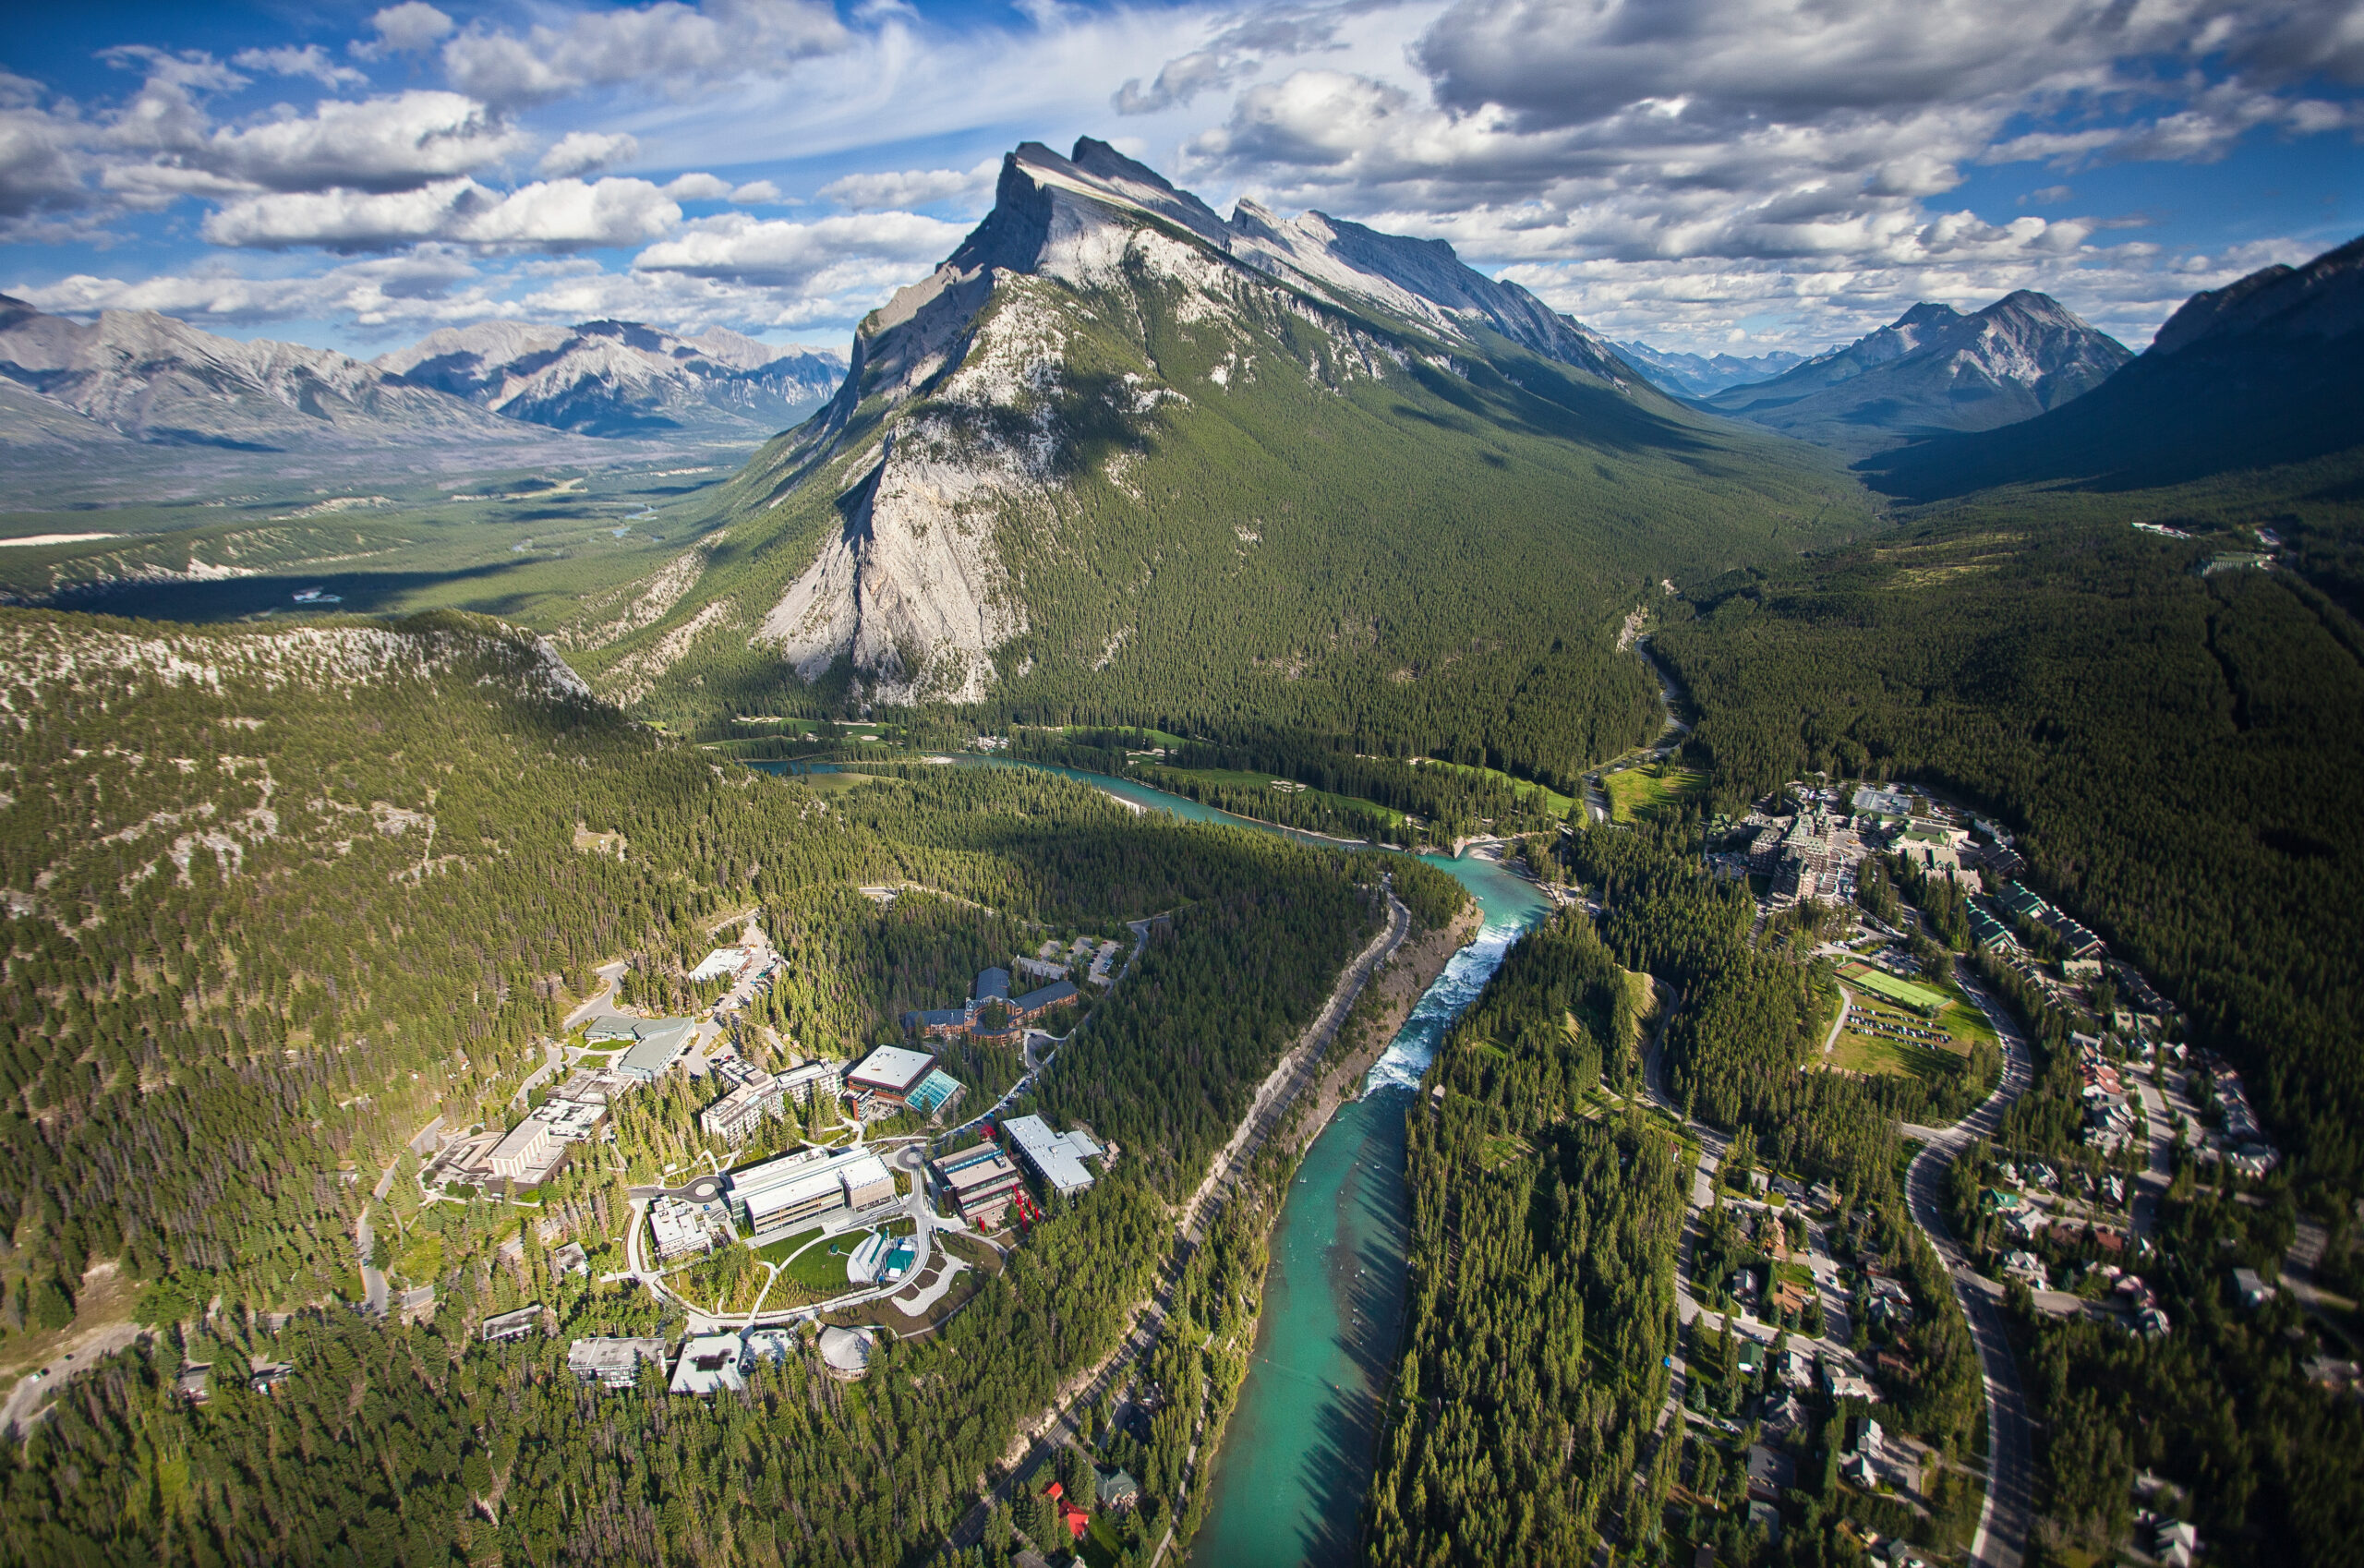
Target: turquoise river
{"type": "Point", "coordinates": [1289, 1481]}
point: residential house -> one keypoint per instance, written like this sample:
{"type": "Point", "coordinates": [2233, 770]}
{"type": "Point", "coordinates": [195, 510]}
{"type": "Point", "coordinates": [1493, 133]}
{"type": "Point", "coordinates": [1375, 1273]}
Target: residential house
{"type": "Point", "coordinates": [1771, 1472]}
{"type": "Point", "coordinates": [1118, 1492]}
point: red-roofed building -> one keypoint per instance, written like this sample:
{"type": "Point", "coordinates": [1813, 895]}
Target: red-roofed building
{"type": "Point", "coordinates": [1077, 1520]}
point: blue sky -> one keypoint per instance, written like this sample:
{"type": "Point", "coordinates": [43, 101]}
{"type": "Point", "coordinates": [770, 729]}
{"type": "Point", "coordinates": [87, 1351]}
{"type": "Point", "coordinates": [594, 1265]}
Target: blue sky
{"type": "Point", "coordinates": [1705, 175]}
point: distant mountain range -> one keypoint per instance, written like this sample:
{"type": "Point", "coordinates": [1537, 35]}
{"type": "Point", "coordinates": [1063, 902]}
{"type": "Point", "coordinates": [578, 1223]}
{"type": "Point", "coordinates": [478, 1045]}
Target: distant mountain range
{"type": "Point", "coordinates": [621, 378]}
{"type": "Point", "coordinates": [1934, 369]}
{"type": "Point", "coordinates": [1695, 375]}
{"type": "Point", "coordinates": [2266, 370]}
{"type": "Point", "coordinates": [1121, 455]}
{"type": "Point", "coordinates": [135, 376]}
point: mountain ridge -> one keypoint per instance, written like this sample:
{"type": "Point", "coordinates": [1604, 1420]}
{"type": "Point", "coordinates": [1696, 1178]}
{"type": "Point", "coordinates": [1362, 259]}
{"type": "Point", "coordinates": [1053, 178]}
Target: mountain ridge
{"type": "Point", "coordinates": [149, 376]}
{"type": "Point", "coordinates": [1118, 452]}
{"type": "Point", "coordinates": [614, 377]}
{"type": "Point", "coordinates": [1699, 376]}
{"type": "Point", "coordinates": [2264, 371]}
{"type": "Point", "coordinates": [1934, 369]}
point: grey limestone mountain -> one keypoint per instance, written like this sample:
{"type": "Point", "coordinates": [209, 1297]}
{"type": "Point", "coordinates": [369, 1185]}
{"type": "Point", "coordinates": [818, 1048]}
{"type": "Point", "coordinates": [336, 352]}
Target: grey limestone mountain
{"type": "Point", "coordinates": [134, 375]}
{"type": "Point", "coordinates": [912, 591]}
{"type": "Point", "coordinates": [1934, 369]}
{"type": "Point", "coordinates": [1704, 375]}
{"type": "Point", "coordinates": [622, 378]}
{"type": "Point", "coordinates": [1110, 405]}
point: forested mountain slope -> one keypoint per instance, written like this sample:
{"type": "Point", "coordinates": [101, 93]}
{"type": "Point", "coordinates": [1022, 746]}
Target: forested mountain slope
{"type": "Point", "coordinates": [2267, 370]}
{"type": "Point", "coordinates": [1121, 458]}
{"type": "Point", "coordinates": [1932, 370]}
{"type": "Point", "coordinates": [274, 898]}
{"type": "Point", "coordinates": [2177, 750]}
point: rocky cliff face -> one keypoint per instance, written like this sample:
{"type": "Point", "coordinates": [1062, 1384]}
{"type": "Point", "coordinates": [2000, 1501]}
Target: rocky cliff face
{"type": "Point", "coordinates": [1935, 369]}
{"type": "Point", "coordinates": [620, 378]}
{"type": "Point", "coordinates": [151, 378]}
{"type": "Point", "coordinates": [1117, 443]}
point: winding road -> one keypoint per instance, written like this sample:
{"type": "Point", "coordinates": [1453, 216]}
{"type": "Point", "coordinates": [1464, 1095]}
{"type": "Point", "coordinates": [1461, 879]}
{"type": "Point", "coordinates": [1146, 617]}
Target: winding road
{"type": "Point", "coordinates": [2003, 1522]}
{"type": "Point", "coordinates": [2001, 1541]}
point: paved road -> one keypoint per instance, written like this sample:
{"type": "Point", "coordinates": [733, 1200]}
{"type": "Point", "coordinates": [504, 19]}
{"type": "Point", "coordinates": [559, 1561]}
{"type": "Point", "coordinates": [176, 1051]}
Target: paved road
{"type": "Point", "coordinates": [374, 1295]}
{"type": "Point", "coordinates": [2003, 1523]}
{"type": "Point", "coordinates": [90, 1345]}
{"type": "Point", "coordinates": [600, 1001]}
{"type": "Point", "coordinates": [2002, 1534]}
{"type": "Point", "coordinates": [2151, 1188]}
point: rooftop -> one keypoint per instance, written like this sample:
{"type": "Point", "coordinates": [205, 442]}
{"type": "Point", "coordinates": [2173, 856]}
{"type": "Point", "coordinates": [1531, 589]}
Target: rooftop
{"type": "Point", "coordinates": [709, 1363]}
{"type": "Point", "coordinates": [1058, 1156]}
{"type": "Point", "coordinates": [933, 1093]}
{"type": "Point", "coordinates": [891, 1067]}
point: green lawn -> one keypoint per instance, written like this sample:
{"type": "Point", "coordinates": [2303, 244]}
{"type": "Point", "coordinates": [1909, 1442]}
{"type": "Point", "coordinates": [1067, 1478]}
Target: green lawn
{"type": "Point", "coordinates": [1919, 997]}
{"type": "Point", "coordinates": [1638, 793]}
{"type": "Point", "coordinates": [1874, 1055]}
{"type": "Point", "coordinates": [779, 1251]}
{"type": "Point", "coordinates": [1558, 803]}
{"type": "Point", "coordinates": [821, 1267]}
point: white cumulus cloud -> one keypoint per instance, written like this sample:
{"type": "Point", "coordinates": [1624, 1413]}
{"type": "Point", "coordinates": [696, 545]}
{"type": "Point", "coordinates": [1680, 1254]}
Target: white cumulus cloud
{"type": "Point", "coordinates": [913, 188]}
{"type": "Point", "coordinates": [406, 28]}
{"type": "Point", "coordinates": [825, 255]}
{"type": "Point", "coordinates": [581, 152]}
{"type": "Point", "coordinates": [658, 44]}
{"type": "Point", "coordinates": [569, 214]}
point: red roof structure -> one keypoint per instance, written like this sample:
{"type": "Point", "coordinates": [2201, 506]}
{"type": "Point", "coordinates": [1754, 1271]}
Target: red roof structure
{"type": "Point", "coordinates": [1076, 1519]}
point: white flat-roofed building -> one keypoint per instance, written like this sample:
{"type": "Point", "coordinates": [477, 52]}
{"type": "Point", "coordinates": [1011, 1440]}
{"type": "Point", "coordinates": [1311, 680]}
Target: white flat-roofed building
{"type": "Point", "coordinates": [528, 1152]}
{"type": "Point", "coordinates": [680, 1228]}
{"type": "Point", "coordinates": [807, 1185]}
{"type": "Point", "coordinates": [537, 1144]}
{"type": "Point", "coordinates": [1056, 1157]}
{"type": "Point", "coordinates": [615, 1362]}
{"type": "Point", "coordinates": [801, 1083]}
{"type": "Point", "coordinates": [980, 1181]}
{"type": "Point", "coordinates": [890, 1070]}
{"type": "Point", "coordinates": [739, 1113]}
{"type": "Point", "coordinates": [721, 961]}
{"type": "Point", "coordinates": [507, 1326]}
{"type": "Point", "coordinates": [710, 1364]}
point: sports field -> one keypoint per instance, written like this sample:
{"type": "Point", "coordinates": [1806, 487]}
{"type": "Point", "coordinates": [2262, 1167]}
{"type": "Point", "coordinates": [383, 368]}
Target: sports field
{"type": "Point", "coordinates": [1920, 998]}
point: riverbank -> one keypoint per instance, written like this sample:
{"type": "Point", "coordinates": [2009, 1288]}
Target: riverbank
{"type": "Point", "coordinates": [1390, 1000]}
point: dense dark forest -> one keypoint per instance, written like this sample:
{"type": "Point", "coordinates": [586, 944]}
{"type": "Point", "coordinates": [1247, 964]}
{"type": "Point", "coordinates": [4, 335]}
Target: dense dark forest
{"type": "Point", "coordinates": [1542, 1289]}
{"type": "Point", "coordinates": [2176, 751]}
